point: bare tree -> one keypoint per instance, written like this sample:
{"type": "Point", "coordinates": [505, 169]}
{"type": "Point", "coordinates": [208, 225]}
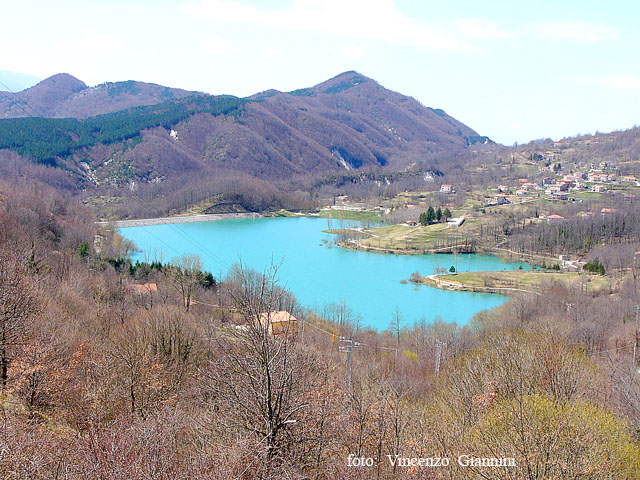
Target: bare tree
{"type": "Point", "coordinates": [17, 306]}
{"type": "Point", "coordinates": [185, 273]}
{"type": "Point", "coordinates": [264, 383]}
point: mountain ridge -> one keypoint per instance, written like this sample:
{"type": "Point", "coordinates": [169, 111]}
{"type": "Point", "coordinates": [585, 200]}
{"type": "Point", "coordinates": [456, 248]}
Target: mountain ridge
{"type": "Point", "coordinates": [64, 96]}
{"type": "Point", "coordinates": [169, 138]}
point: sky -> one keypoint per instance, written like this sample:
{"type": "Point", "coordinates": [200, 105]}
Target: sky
{"type": "Point", "coordinates": [514, 70]}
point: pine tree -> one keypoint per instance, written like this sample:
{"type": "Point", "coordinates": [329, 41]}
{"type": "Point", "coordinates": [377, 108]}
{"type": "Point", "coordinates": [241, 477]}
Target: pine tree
{"type": "Point", "coordinates": [431, 215]}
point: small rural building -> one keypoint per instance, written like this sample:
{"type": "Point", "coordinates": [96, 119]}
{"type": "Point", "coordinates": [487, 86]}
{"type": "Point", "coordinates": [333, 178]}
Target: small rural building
{"type": "Point", "coordinates": [503, 188]}
{"type": "Point", "coordinates": [456, 221]}
{"type": "Point", "coordinates": [500, 199]}
{"type": "Point", "coordinates": [411, 223]}
{"type": "Point", "coordinates": [280, 322]}
{"type": "Point", "coordinates": [143, 289]}
{"type": "Point", "coordinates": [555, 219]}
{"type": "Point", "coordinates": [446, 188]}
{"type": "Point", "coordinates": [598, 188]}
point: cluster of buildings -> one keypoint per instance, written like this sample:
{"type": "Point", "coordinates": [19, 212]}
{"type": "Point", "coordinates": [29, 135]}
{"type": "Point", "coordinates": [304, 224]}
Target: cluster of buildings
{"type": "Point", "coordinates": [559, 218]}
{"type": "Point", "coordinates": [558, 187]}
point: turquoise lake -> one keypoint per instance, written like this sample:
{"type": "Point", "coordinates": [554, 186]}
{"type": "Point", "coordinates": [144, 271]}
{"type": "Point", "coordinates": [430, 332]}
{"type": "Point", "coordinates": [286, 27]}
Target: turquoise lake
{"type": "Point", "coordinates": [319, 273]}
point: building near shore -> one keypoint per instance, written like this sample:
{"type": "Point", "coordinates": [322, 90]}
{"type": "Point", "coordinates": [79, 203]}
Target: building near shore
{"type": "Point", "coordinates": [456, 221]}
{"type": "Point", "coordinates": [278, 323]}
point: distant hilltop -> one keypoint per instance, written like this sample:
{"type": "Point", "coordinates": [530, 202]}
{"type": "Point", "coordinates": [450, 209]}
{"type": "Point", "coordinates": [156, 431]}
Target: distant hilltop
{"type": "Point", "coordinates": [15, 82]}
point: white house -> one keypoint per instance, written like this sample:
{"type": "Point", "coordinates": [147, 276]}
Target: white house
{"type": "Point", "coordinates": [456, 221]}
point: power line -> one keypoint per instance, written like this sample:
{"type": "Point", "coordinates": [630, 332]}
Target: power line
{"type": "Point", "coordinates": [37, 114]}
{"type": "Point", "coordinates": [199, 245]}
{"type": "Point", "coordinates": [160, 240]}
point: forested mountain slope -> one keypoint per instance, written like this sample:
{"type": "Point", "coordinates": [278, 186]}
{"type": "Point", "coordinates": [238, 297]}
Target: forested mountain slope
{"type": "Point", "coordinates": [348, 122]}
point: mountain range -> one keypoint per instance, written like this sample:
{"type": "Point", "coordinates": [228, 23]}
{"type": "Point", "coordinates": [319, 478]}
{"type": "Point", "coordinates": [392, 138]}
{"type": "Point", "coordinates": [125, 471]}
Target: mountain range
{"type": "Point", "coordinates": [114, 134]}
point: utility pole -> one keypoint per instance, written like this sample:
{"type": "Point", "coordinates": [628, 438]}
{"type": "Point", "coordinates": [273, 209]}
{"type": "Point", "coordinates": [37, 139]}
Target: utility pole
{"type": "Point", "coordinates": [348, 349]}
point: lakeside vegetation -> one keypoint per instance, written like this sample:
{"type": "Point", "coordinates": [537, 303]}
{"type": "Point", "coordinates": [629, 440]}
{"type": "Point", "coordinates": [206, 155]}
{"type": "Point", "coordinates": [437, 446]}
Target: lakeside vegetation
{"type": "Point", "coordinates": [512, 281]}
{"type": "Point", "coordinates": [419, 239]}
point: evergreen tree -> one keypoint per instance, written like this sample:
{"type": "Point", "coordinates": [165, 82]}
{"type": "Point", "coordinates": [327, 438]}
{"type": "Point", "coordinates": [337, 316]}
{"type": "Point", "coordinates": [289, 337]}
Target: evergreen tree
{"type": "Point", "coordinates": [439, 214]}
{"type": "Point", "coordinates": [431, 215]}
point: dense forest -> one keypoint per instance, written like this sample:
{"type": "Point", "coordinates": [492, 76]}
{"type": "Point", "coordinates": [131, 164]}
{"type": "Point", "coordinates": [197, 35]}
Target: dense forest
{"type": "Point", "coordinates": [45, 139]}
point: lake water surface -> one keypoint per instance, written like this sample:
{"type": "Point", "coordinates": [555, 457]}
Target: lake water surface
{"type": "Point", "coordinates": [319, 274]}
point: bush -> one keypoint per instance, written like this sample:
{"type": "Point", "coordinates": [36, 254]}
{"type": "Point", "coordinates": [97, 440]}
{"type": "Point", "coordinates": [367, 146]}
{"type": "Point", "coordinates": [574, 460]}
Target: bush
{"type": "Point", "coordinates": [594, 266]}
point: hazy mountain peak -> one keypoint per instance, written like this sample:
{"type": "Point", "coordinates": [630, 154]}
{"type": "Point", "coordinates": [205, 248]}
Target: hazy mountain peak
{"type": "Point", "coordinates": [342, 82]}
{"type": "Point", "coordinates": [61, 82]}
{"type": "Point", "coordinates": [16, 81]}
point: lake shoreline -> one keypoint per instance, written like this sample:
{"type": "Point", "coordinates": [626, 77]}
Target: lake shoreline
{"type": "Point", "coordinates": [203, 217]}
{"type": "Point", "coordinates": [319, 275]}
{"type": "Point", "coordinates": [502, 253]}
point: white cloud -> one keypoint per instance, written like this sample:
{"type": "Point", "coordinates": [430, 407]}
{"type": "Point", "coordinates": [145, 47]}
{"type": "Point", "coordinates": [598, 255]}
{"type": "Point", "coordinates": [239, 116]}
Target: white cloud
{"type": "Point", "coordinates": [93, 41]}
{"type": "Point", "coordinates": [575, 31]}
{"type": "Point", "coordinates": [270, 52]}
{"type": "Point", "coordinates": [619, 82]}
{"type": "Point", "coordinates": [479, 28]}
{"type": "Point", "coordinates": [377, 20]}
{"type": "Point", "coordinates": [216, 44]}
{"type": "Point", "coordinates": [350, 51]}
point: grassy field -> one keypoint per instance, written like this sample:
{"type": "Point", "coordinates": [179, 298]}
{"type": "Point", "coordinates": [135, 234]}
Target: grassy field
{"type": "Point", "coordinates": [588, 195]}
{"type": "Point", "coordinates": [372, 216]}
{"type": "Point", "coordinates": [419, 238]}
{"type": "Point", "coordinates": [516, 280]}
